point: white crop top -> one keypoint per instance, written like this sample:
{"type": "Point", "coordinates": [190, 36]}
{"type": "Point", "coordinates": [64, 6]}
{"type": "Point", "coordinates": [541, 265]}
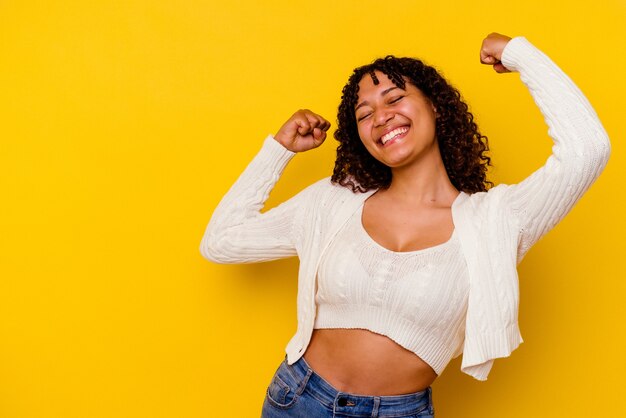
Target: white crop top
{"type": "Point", "coordinates": [416, 298]}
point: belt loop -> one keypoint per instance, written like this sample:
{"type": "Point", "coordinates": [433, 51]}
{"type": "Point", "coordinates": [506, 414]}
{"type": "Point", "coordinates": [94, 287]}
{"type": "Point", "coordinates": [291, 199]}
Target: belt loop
{"type": "Point", "coordinates": [376, 405]}
{"type": "Point", "coordinates": [304, 381]}
{"type": "Point", "coordinates": [431, 408]}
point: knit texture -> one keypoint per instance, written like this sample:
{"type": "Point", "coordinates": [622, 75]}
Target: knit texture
{"type": "Point", "coordinates": [495, 228]}
{"type": "Point", "coordinates": [416, 298]}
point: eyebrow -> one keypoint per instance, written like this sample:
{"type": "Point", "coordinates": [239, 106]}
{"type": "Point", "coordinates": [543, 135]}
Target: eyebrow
{"type": "Point", "coordinates": [363, 103]}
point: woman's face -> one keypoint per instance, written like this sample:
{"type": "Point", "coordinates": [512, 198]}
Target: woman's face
{"type": "Point", "coordinates": [396, 126]}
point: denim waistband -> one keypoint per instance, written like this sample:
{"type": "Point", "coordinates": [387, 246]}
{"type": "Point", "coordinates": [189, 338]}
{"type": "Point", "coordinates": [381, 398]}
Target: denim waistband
{"type": "Point", "coordinates": [360, 405]}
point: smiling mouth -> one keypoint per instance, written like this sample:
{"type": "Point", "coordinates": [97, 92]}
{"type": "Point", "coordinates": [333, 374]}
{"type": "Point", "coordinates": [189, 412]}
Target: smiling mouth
{"type": "Point", "coordinates": [396, 133]}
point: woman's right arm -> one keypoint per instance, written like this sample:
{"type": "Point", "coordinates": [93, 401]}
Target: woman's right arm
{"type": "Point", "coordinates": [238, 232]}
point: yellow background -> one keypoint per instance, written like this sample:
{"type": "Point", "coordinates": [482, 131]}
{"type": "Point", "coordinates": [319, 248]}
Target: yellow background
{"type": "Point", "coordinates": [122, 123]}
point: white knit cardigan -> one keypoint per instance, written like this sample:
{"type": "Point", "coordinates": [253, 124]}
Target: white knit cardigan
{"type": "Point", "coordinates": [495, 228]}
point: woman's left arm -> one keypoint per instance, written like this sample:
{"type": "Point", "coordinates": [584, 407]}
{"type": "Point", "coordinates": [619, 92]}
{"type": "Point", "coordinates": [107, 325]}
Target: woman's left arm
{"type": "Point", "coordinates": [581, 145]}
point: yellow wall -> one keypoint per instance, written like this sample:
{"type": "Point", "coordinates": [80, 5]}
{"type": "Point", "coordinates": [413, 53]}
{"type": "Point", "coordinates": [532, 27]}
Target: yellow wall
{"type": "Point", "coordinates": [123, 123]}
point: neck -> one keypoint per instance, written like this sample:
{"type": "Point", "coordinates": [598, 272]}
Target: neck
{"type": "Point", "coordinates": [423, 183]}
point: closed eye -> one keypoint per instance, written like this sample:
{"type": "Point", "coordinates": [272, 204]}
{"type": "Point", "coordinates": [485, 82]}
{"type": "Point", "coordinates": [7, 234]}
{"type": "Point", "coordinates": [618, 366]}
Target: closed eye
{"type": "Point", "coordinates": [363, 117]}
{"type": "Point", "coordinates": [396, 99]}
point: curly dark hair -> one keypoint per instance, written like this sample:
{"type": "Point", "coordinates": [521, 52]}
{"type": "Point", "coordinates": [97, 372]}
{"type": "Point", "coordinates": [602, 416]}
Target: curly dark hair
{"type": "Point", "coordinates": [463, 149]}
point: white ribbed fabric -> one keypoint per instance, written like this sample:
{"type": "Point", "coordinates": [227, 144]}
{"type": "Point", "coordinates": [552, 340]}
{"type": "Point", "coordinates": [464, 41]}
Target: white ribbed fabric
{"type": "Point", "coordinates": [495, 228]}
{"type": "Point", "coordinates": [416, 298]}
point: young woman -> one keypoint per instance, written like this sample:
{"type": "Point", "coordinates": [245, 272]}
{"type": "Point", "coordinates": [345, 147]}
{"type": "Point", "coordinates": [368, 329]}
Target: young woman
{"type": "Point", "coordinates": [407, 254]}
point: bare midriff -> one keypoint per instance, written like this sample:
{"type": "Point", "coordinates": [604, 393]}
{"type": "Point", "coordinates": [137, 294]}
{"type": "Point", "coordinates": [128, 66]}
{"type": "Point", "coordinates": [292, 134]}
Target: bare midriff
{"type": "Point", "coordinates": [361, 362]}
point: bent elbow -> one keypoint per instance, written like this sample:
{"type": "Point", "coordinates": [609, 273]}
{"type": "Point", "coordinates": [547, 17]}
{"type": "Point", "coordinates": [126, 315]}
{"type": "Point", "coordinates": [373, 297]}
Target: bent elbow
{"type": "Point", "coordinates": [211, 250]}
{"type": "Point", "coordinates": [601, 153]}
{"type": "Point", "coordinates": [590, 161]}
{"type": "Point", "coordinates": [606, 149]}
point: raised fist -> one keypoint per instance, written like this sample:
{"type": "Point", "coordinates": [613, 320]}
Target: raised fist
{"type": "Point", "coordinates": [303, 131]}
{"type": "Point", "coordinates": [491, 51]}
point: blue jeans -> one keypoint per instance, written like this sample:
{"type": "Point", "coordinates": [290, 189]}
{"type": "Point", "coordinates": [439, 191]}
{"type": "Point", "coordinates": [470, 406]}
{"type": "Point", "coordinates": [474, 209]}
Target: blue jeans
{"type": "Point", "coordinates": [297, 391]}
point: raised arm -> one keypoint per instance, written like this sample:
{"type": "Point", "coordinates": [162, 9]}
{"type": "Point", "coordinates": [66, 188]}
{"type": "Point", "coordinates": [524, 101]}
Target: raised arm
{"type": "Point", "coordinates": [238, 232]}
{"type": "Point", "coordinates": [580, 152]}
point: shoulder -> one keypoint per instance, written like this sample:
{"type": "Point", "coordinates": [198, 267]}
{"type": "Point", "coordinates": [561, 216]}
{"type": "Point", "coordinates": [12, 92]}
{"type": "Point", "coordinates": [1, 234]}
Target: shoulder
{"type": "Point", "coordinates": [324, 201]}
{"type": "Point", "coordinates": [483, 202]}
{"type": "Point", "coordinates": [327, 198]}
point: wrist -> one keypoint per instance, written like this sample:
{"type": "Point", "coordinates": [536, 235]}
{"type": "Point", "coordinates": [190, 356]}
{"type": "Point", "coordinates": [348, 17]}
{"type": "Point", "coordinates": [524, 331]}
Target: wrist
{"type": "Point", "coordinates": [282, 141]}
{"type": "Point", "coordinates": [276, 147]}
{"type": "Point", "coordinates": [278, 138]}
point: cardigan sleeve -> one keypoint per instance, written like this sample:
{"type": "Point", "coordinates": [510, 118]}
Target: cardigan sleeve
{"type": "Point", "coordinates": [580, 152]}
{"type": "Point", "coordinates": [238, 232]}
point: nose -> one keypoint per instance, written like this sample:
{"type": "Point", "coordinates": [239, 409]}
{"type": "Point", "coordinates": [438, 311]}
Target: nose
{"type": "Point", "coordinates": [382, 116]}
